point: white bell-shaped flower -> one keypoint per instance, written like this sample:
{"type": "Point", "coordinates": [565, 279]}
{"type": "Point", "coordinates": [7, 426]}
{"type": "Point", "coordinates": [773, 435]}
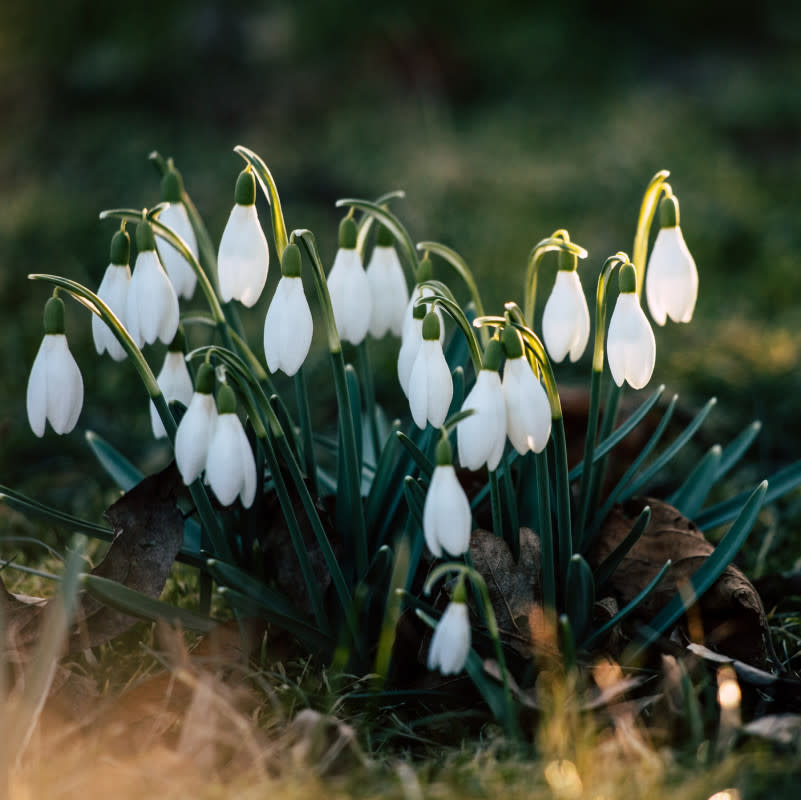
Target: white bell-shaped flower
{"type": "Point", "coordinates": [151, 307]}
{"type": "Point", "coordinates": [244, 257]}
{"type": "Point", "coordinates": [349, 288]}
{"type": "Point", "coordinates": [389, 294]}
{"type": "Point", "coordinates": [481, 437]}
{"type": "Point", "coordinates": [230, 466]}
{"type": "Point", "coordinates": [528, 412]}
{"type": "Point", "coordinates": [447, 521]}
{"type": "Point", "coordinates": [175, 383]}
{"type": "Point", "coordinates": [430, 381]}
{"type": "Point", "coordinates": [412, 336]}
{"type": "Point", "coordinates": [566, 318]}
{"type": "Point", "coordinates": [450, 643]}
{"type": "Point", "coordinates": [113, 291]}
{"type": "Point", "coordinates": [55, 386]}
{"type": "Point", "coordinates": [175, 217]}
{"type": "Point", "coordinates": [630, 344]}
{"type": "Point", "coordinates": [671, 280]}
{"type": "Point", "coordinates": [288, 326]}
{"type": "Point", "coordinates": [193, 438]}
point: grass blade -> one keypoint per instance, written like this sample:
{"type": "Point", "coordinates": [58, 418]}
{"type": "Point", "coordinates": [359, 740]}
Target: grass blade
{"type": "Point", "coordinates": [423, 462]}
{"type": "Point", "coordinates": [121, 470]}
{"type": "Point", "coordinates": [612, 561]}
{"type": "Point", "coordinates": [579, 595]}
{"type": "Point", "coordinates": [690, 496]}
{"type": "Point", "coordinates": [733, 452]}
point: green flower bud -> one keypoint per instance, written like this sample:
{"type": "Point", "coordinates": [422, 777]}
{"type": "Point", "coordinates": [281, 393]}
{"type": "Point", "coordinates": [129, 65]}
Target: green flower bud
{"type": "Point", "coordinates": [669, 212]}
{"type": "Point", "coordinates": [290, 261]}
{"type": "Point", "coordinates": [172, 186]}
{"type": "Point", "coordinates": [431, 327]}
{"type": "Point", "coordinates": [492, 356]}
{"type": "Point", "coordinates": [419, 312]}
{"type": "Point", "coordinates": [347, 234]}
{"type": "Point", "coordinates": [443, 453]}
{"type": "Point", "coordinates": [204, 382]}
{"type": "Point", "coordinates": [54, 316]}
{"type": "Point", "coordinates": [120, 249]}
{"type": "Point", "coordinates": [512, 345]}
{"type": "Point", "coordinates": [567, 261]}
{"type": "Point", "coordinates": [226, 400]}
{"type": "Point", "coordinates": [384, 238]}
{"type": "Point", "coordinates": [145, 240]}
{"type": "Point", "coordinates": [459, 592]}
{"type": "Point", "coordinates": [425, 270]}
{"type": "Point", "coordinates": [178, 343]}
{"type": "Point", "coordinates": [245, 192]}
{"type": "Point", "coordinates": [627, 279]}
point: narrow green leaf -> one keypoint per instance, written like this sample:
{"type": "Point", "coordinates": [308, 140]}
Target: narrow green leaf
{"type": "Point", "coordinates": [423, 462]}
{"type": "Point", "coordinates": [734, 451]}
{"type": "Point", "coordinates": [415, 499]}
{"type": "Point", "coordinates": [612, 561]}
{"type": "Point", "coordinates": [121, 470]}
{"type": "Point", "coordinates": [690, 496]}
{"type": "Point", "coordinates": [579, 595]}
{"type": "Point", "coordinates": [376, 498]}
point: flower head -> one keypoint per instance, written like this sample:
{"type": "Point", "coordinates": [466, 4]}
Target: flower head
{"type": "Point", "coordinates": [151, 307]}
{"type": "Point", "coordinates": [349, 288]}
{"type": "Point", "coordinates": [447, 521]}
{"type": "Point", "coordinates": [430, 381]}
{"type": "Point", "coordinates": [113, 291]}
{"type": "Point", "coordinates": [174, 381]}
{"type": "Point", "coordinates": [175, 217]}
{"type": "Point", "coordinates": [288, 326]}
{"type": "Point", "coordinates": [481, 437]}
{"type": "Point", "coordinates": [388, 292]}
{"type": "Point", "coordinates": [671, 280]}
{"type": "Point", "coordinates": [566, 318]}
{"type": "Point", "coordinates": [55, 386]}
{"type": "Point", "coordinates": [450, 644]}
{"type": "Point", "coordinates": [244, 257]}
{"type": "Point", "coordinates": [412, 336]}
{"type": "Point", "coordinates": [630, 344]}
{"type": "Point", "coordinates": [196, 427]}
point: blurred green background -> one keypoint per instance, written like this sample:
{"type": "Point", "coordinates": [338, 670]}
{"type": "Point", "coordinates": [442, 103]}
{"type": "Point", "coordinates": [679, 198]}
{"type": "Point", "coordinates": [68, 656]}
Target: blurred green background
{"type": "Point", "coordinates": [501, 121]}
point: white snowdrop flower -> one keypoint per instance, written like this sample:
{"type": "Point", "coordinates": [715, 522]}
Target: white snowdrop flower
{"type": "Point", "coordinates": [481, 437]}
{"type": "Point", "coordinates": [55, 386]}
{"type": "Point", "coordinates": [630, 344]}
{"type": "Point", "coordinates": [447, 521]}
{"type": "Point", "coordinates": [450, 643]}
{"type": "Point", "coordinates": [174, 381]}
{"type": "Point", "coordinates": [528, 412]}
{"type": "Point", "coordinates": [151, 307]}
{"type": "Point", "coordinates": [244, 257]}
{"type": "Point", "coordinates": [113, 291]}
{"type": "Point", "coordinates": [389, 294]}
{"type": "Point", "coordinates": [196, 427]}
{"type": "Point", "coordinates": [566, 318]}
{"type": "Point", "coordinates": [288, 326]}
{"type": "Point", "coordinates": [412, 336]}
{"type": "Point", "coordinates": [430, 381]}
{"type": "Point", "coordinates": [230, 466]}
{"type": "Point", "coordinates": [175, 217]}
{"type": "Point", "coordinates": [671, 280]}
{"type": "Point", "coordinates": [349, 288]}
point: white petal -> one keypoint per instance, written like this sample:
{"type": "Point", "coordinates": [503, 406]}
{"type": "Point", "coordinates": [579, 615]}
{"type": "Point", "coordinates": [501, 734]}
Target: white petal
{"type": "Point", "coordinates": [181, 274]}
{"type": "Point", "coordinates": [59, 384]}
{"type": "Point", "coordinates": [193, 437]}
{"type": "Point", "coordinates": [481, 436]}
{"type": "Point", "coordinates": [152, 306]}
{"type": "Point", "coordinates": [566, 318]}
{"type": "Point", "coordinates": [350, 295]}
{"type": "Point", "coordinates": [176, 386]}
{"type": "Point", "coordinates": [388, 292]}
{"type": "Point", "coordinates": [418, 391]}
{"type": "Point", "coordinates": [671, 280]}
{"type": "Point", "coordinates": [450, 643]}
{"type": "Point", "coordinates": [224, 467]}
{"type": "Point", "coordinates": [113, 291]}
{"type": "Point", "coordinates": [36, 399]}
{"type": "Point", "coordinates": [631, 347]}
{"type": "Point", "coordinates": [288, 327]}
{"type": "Point", "coordinates": [247, 493]}
{"type": "Point", "coordinates": [528, 414]}
{"type": "Point", "coordinates": [446, 515]}
{"type": "Point", "coordinates": [244, 257]}
{"type": "Point", "coordinates": [440, 384]}
{"type": "Point", "coordinates": [410, 345]}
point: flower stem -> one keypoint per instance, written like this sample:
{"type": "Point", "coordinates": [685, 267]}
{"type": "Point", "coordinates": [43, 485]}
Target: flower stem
{"type": "Point", "coordinates": [647, 210]}
{"type": "Point", "coordinates": [368, 386]}
{"type": "Point", "coordinates": [307, 437]}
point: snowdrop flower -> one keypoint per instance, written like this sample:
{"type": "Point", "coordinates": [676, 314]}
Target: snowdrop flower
{"type": "Point", "coordinates": [424, 273]}
{"type": "Point", "coordinates": [410, 346]}
{"type": "Point", "coordinates": [288, 326]}
{"type": "Point", "coordinates": [389, 295]}
{"type": "Point", "coordinates": [196, 427]}
{"type": "Point", "coordinates": [174, 381]}
{"type": "Point", "coordinates": [528, 412]}
{"type": "Point", "coordinates": [113, 291]}
{"type": "Point", "coordinates": [451, 641]}
{"type": "Point", "coordinates": [55, 386]}
{"type": "Point", "coordinates": [630, 344]}
{"type": "Point", "coordinates": [175, 217]}
{"type": "Point", "coordinates": [482, 436]}
{"type": "Point", "coordinates": [430, 382]}
{"type": "Point", "coordinates": [566, 318]}
{"type": "Point", "coordinates": [243, 258]}
{"type": "Point", "coordinates": [447, 522]}
{"type": "Point", "coordinates": [151, 307]}
{"type": "Point", "coordinates": [671, 281]}
{"type": "Point", "coordinates": [349, 287]}
{"type": "Point", "coordinates": [230, 466]}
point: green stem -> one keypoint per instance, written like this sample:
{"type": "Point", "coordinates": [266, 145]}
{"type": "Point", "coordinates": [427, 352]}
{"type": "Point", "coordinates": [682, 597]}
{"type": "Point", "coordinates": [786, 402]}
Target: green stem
{"type": "Point", "coordinates": [307, 436]}
{"type": "Point", "coordinates": [546, 530]}
{"type": "Point", "coordinates": [564, 529]}
{"type": "Point", "coordinates": [495, 503]}
{"type": "Point", "coordinates": [647, 210]}
{"type": "Point", "coordinates": [368, 386]}
{"type": "Point", "coordinates": [589, 453]}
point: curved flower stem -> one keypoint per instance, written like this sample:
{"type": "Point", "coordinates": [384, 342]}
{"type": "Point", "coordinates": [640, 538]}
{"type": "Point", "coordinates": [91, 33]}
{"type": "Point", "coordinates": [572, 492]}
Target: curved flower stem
{"type": "Point", "coordinates": [647, 210]}
{"type": "Point", "coordinates": [267, 183]}
{"type": "Point", "coordinates": [558, 240]}
{"type": "Point", "coordinates": [197, 490]}
{"type": "Point", "coordinates": [367, 219]}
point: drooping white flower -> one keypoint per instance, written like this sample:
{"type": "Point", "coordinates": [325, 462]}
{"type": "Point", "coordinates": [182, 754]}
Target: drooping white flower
{"type": "Point", "coordinates": [450, 643]}
{"type": "Point", "coordinates": [230, 466]}
{"type": "Point", "coordinates": [630, 344]}
{"type": "Point", "coordinates": [244, 257]}
{"type": "Point", "coordinates": [193, 438]}
{"type": "Point", "coordinates": [412, 336]}
{"type": "Point", "coordinates": [481, 437]}
{"type": "Point", "coordinates": [566, 318]}
{"type": "Point", "coordinates": [447, 521]}
{"type": "Point", "coordinates": [528, 412]}
{"type": "Point", "coordinates": [175, 383]}
{"type": "Point", "coordinates": [671, 280]}
{"type": "Point", "coordinates": [288, 326]}
{"type": "Point", "coordinates": [349, 288]}
{"type": "Point", "coordinates": [430, 381]}
{"type": "Point", "coordinates": [389, 294]}
{"type": "Point", "coordinates": [113, 291]}
{"type": "Point", "coordinates": [55, 386]}
{"type": "Point", "coordinates": [151, 308]}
